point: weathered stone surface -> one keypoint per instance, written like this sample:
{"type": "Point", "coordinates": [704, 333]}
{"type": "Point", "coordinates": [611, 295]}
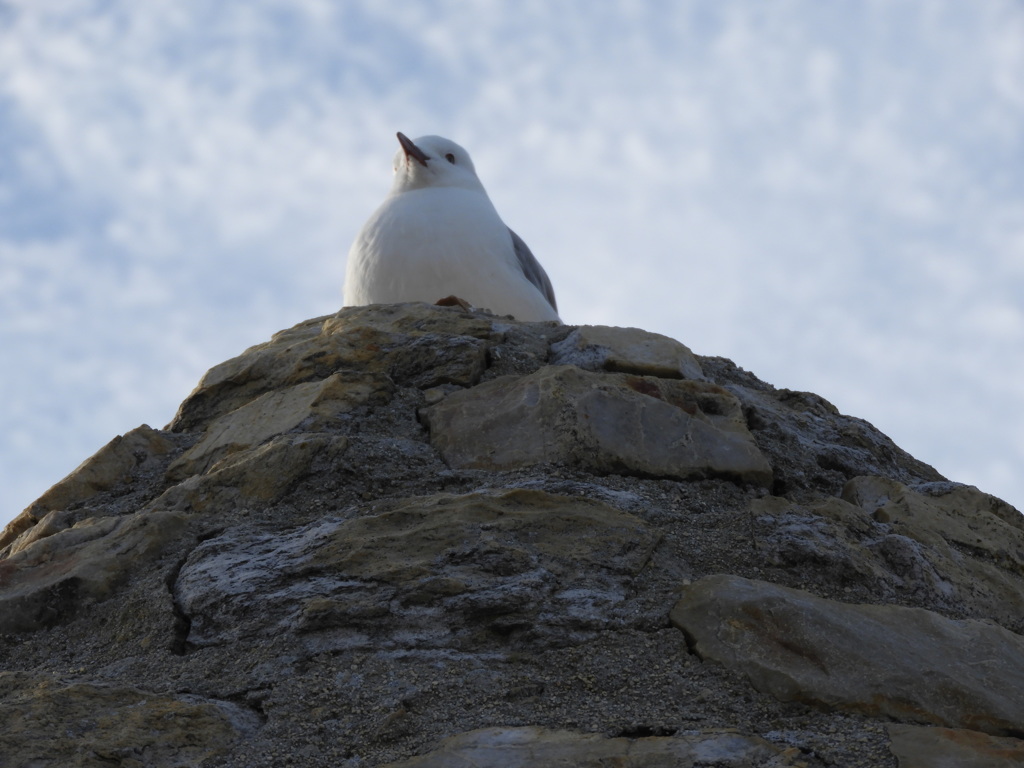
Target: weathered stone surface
{"type": "Point", "coordinates": [905, 663]}
{"type": "Point", "coordinates": [919, 747]}
{"type": "Point", "coordinates": [265, 472]}
{"type": "Point", "coordinates": [315, 561]}
{"type": "Point", "coordinates": [261, 475]}
{"type": "Point", "coordinates": [54, 576]}
{"type": "Point", "coordinates": [947, 516]}
{"type": "Point", "coordinates": [51, 523]}
{"type": "Point", "coordinates": [829, 537]}
{"type": "Point", "coordinates": [963, 544]}
{"type": "Point", "coordinates": [45, 721]}
{"type": "Point", "coordinates": [626, 350]}
{"type": "Point", "coordinates": [812, 447]}
{"type": "Point", "coordinates": [534, 747]}
{"type": "Point", "coordinates": [114, 463]}
{"type": "Point", "coordinates": [604, 423]}
{"type": "Point", "coordinates": [309, 406]}
{"type": "Point", "coordinates": [412, 344]}
{"type": "Point", "coordinates": [946, 549]}
{"type": "Point", "coordinates": [548, 568]}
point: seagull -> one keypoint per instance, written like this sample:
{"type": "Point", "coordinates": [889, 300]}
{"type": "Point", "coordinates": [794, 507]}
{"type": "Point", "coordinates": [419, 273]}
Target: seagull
{"type": "Point", "coordinates": [437, 234]}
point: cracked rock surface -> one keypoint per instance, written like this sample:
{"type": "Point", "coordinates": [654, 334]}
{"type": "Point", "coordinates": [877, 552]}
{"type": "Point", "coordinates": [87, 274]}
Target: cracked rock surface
{"type": "Point", "coordinates": [908, 664]}
{"type": "Point", "coordinates": [408, 535]}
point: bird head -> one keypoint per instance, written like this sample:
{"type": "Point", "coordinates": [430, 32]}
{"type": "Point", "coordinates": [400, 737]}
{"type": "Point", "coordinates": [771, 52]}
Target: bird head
{"type": "Point", "coordinates": [432, 161]}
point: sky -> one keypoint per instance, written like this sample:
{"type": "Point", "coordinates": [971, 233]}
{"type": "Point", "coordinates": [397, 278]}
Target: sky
{"type": "Point", "coordinates": [829, 194]}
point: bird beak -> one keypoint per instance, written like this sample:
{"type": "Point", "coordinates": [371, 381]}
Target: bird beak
{"type": "Point", "coordinates": [411, 150]}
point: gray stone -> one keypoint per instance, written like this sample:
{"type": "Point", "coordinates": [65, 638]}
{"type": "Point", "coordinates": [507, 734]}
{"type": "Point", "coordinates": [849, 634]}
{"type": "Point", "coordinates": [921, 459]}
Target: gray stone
{"type": "Point", "coordinates": [967, 545]}
{"type": "Point", "coordinates": [529, 747]}
{"type": "Point", "coordinates": [313, 585]}
{"type": "Point", "coordinates": [415, 573]}
{"type": "Point", "coordinates": [113, 464]}
{"type": "Point", "coordinates": [310, 406]}
{"type": "Point", "coordinates": [47, 721]}
{"type": "Point", "coordinates": [53, 577]}
{"type": "Point", "coordinates": [810, 444]}
{"type": "Point", "coordinates": [961, 516]}
{"type": "Point", "coordinates": [626, 350]}
{"type": "Point", "coordinates": [918, 747]}
{"type": "Point", "coordinates": [600, 422]}
{"type": "Point", "coordinates": [880, 660]}
{"type": "Point", "coordinates": [949, 551]}
{"type": "Point", "coordinates": [415, 344]}
{"type": "Point", "coordinates": [258, 475]}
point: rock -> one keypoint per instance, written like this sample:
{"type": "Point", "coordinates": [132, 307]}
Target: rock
{"type": "Point", "coordinates": [879, 660]}
{"type": "Point", "coordinates": [431, 535]}
{"type": "Point", "coordinates": [965, 545]}
{"type": "Point", "coordinates": [528, 747]}
{"type": "Point", "coordinates": [961, 516]}
{"type": "Point", "coordinates": [410, 343]}
{"type": "Point", "coordinates": [260, 475]}
{"type": "Point", "coordinates": [113, 464]}
{"type": "Point", "coordinates": [266, 472]}
{"type": "Point", "coordinates": [830, 538]}
{"type": "Point", "coordinates": [47, 721]}
{"type": "Point", "coordinates": [918, 747]}
{"type": "Point", "coordinates": [55, 576]}
{"type": "Point", "coordinates": [626, 350]}
{"type": "Point", "coordinates": [414, 573]}
{"type": "Point", "coordinates": [49, 524]}
{"type": "Point", "coordinates": [810, 445]}
{"type": "Point", "coordinates": [310, 406]}
{"type": "Point", "coordinates": [946, 550]}
{"type": "Point", "coordinates": [603, 423]}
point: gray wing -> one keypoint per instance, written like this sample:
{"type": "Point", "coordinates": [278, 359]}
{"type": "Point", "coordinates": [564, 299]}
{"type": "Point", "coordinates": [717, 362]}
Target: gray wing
{"type": "Point", "coordinates": [532, 269]}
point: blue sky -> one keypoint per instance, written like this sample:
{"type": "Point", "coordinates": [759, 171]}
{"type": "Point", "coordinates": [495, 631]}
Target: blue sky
{"type": "Point", "coordinates": [830, 194]}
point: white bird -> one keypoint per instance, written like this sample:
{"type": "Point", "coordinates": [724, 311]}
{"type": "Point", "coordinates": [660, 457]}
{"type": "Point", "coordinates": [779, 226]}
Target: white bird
{"type": "Point", "coordinates": [438, 235]}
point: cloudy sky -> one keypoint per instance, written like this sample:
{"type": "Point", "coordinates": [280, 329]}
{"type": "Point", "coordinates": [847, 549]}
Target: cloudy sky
{"type": "Point", "coordinates": [830, 194]}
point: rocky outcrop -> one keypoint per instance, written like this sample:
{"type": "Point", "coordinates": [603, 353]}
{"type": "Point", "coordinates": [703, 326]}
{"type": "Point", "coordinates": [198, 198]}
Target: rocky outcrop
{"type": "Point", "coordinates": [412, 535]}
{"type": "Point", "coordinates": [952, 748]}
{"type": "Point", "coordinates": [941, 546]}
{"type": "Point", "coordinates": [54, 572]}
{"type": "Point", "coordinates": [603, 423]}
{"type": "Point", "coordinates": [117, 463]}
{"type": "Point", "coordinates": [626, 350]}
{"type": "Point", "coordinates": [515, 747]}
{"type": "Point", "coordinates": [905, 663]}
{"type": "Point", "coordinates": [46, 721]}
{"type": "Point", "coordinates": [425, 573]}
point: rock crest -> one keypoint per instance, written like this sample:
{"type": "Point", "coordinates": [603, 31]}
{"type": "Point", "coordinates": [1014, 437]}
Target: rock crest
{"type": "Point", "coordinates": [413, 536]}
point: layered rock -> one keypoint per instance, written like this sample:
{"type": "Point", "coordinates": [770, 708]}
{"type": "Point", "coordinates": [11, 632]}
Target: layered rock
{"type": "Point", "coordinates": [599, 422]}
{"type": "Point", "coordinates": [425, 573]}
{"type": "Point", "coordinates": [45, 721]}
{"type": "Point", "coordinates": [905, 663]}
{"type": "Point", "coordinates": [55, 572]}
{"type": "Point", "coordinates": [413, 535]}
{"type": "Point", "coordinates": [953, 748]}
{"type": "Point", "coordinates": [515, 747]}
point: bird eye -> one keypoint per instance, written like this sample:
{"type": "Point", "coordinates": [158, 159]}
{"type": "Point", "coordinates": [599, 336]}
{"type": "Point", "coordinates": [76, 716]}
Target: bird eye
{"type": "Point", "coordinates": [450, 158]}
